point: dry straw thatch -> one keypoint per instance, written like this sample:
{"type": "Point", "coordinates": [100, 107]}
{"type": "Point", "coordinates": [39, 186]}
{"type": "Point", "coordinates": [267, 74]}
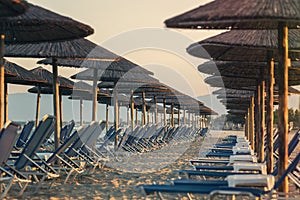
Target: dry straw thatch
{"type": "Point", "coordinates": [38, 24]}
{"type": "Point", "coordinates": [245, 45]}
{"type": "Point", "coordinates": [242, 14]}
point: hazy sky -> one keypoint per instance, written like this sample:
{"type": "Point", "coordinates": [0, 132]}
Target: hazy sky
{"type": "Point", "coordinates": [135, 29]}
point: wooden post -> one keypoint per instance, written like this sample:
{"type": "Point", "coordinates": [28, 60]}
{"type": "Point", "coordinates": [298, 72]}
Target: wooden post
{"type": "Point", "coordinates": [2, 81]}
{"type": "Point", "coordinates": [261, 137]}
{"type": "Point", "coordinates": [155, 112]}
{"type": "Point", "coordinates": [270, 119]}
{"type": "Point", "coordinates": [172, 114]}
{"type": "Point", "coordinates": [132, 110]}
{"type": "Point", "coordinates": [178, 116]}
{"type": "Point", "coordinates": [95, 93]}
{"type": "Point", "coordinates": [128, 115]}
{"type": "Point", "coordinates": [81, 110]}
{"type": "Point", "coordinates": [38, 106]}
{"type": "Point", "coordinates": [251, 124]}
{"type": "Point", "coordinates": [60, 110]}
{"type": "Point", "coordinates": [257, 118]}
{"type": "Point", "coordinates": [148, 117]}
{"type": "Point", "coordinates": [165, 113]}
{"type": "Point", "coordinates": [56, 103]}
{"type": "Point", "coordinates": [184, 120]}
{"type": "Point", "coordinates": [246, 125]}
{"type": "Point", "coordinates": [106, 117]}
{"type": "Point", "coordinates": [283, 103]}
{"type": "Point", "coordinates": [144, 109]}
{"type": "Point", "coordinates": [6, 102]}
{"type": "Point", "coordinates": [136, 117]}
{"type": "Point", "coordinates": [116, 115]}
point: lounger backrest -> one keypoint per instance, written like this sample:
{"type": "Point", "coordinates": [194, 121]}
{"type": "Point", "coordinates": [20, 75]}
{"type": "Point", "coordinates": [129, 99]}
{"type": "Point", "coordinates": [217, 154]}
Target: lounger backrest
{"type": "Point", "coordinates": [93, 137]}
{"type": "Point", "coordinates": [25, 134]}
{"type": "Point", "coordinates": [7, 140]}
{"type": "Point", "coordinates": [67, 130]}
{"type": "Point", "coordinates": [291, 168]}
{"type": "Point", "coordinates": [41, 132]}
{"type": "Point", "coordinates": [83, 137]}
{"type": "Point", "coordinates": [64, 146]}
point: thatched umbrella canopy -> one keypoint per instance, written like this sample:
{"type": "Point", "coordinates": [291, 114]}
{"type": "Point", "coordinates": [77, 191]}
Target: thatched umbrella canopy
{"type": "Point", "coordinates": [39, 25]}
{"type": "Point", "coordinates": [15, 74]}
{"type": "Point", "coordinates": [245, 45]}
{"type": "Point", "coordinates": [256, 14]}
{"type": "Point", "coordinates": [243, 14]}
{"type": "Point", "coordinates": [237, 82]}
{"type": "Point", "coordinates": [106, 71]}
{"type": "Point", "coordinates": [47, 76]}
{"type": "Point", "coordinates": [119, 64]}
{"type": "Point", "coordinates": [64, 86]}
{"type": "Point", "coordinates": [12, 7]}
{"type": "Point", "coordinates": [21, 76]}
{"type": "Point", "coordinates": [79, 49]}
{"type": "Point", "coordinates": [243, 69]}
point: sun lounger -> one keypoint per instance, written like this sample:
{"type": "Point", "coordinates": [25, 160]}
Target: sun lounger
{"type": "Point", "coordinates": [213, 190]}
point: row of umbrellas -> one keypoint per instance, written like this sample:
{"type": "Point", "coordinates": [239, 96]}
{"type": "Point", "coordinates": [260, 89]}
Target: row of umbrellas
{"type": "Point", "coordinates": [35, 32]}
{"type": "Point", "coordinates": [274, 42]}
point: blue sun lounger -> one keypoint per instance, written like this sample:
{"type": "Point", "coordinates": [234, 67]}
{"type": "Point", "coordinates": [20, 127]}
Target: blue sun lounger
{"type": "Point", "coordinates": [212, 189]}
{"type": "Point", "coordinates": [8, 137]}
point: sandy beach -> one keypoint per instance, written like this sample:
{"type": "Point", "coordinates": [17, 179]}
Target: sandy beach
{"type": "Point", "coordinates": [120, 183]}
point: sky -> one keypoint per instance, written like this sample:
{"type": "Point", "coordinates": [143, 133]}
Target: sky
{"type": "Point", "coordinates": [134, 29]}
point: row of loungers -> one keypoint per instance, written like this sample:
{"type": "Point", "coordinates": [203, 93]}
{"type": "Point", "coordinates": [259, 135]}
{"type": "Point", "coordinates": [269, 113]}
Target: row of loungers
{"type": "Point", "coordinates": [230, 168]}
{"type": "Point", "coordinates": [29, 158]}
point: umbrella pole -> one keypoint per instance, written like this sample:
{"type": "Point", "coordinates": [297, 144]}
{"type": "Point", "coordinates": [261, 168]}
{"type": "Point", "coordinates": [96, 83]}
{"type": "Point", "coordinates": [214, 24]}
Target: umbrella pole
{"type": "Point", "coordinates": [136, 117]}
{"type": "Point", "coordinates": [257, 118]}
{"type": "Point", "coordinates": [184, 121]}
{"type": "Point", "coordinates": [270, 100]}
{"type": "Point", "coordinates": [128, 117]}
{"type": "Point", "coordinates": [148, 117]}
{"type": "Point", "coordinates": [178, 117]}
{"type": "Point", "coordinates": [116, 115]}
{"type": "Point", "coordinates": [38, 106]}
{"type": "Point", "coordinates": [80, 110]}
{"type": "Point", "coordinates": [172, 115]}
{"type": "Point", "coordinates": [94, 112]}
{"type": "Point", "coordinates": [56, 103]}
{"type": "Point", "coordinates": [251, 124]}
{"type": "Point", "coordinates": [2, 81]}
{"type": "Point", "coordinates": [144, 109]}
{"type": "Point", "coordinates": [6, 102]}
{"type": "Point", "coordinates": [132, 111]}
{"type": "Point", "coordinates": [60, 110]}
{"type": "Point", "coordinates": [106, 117]}
{"type": "Point", "coordinates": [247, 124]}
{"type": "Point", "coordinates": [165, 113]}
{"type": "Point", "coordinates": [155, 112]}
{"type": "Point", "coordinates": [261, 138]}
{"type": "Point", "coordinates": [283, 103]}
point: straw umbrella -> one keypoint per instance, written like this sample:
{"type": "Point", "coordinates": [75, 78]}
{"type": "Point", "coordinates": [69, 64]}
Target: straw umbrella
{"type": "Point", "coordinates": [18, 75]}
{"type": "Point", "coordinates": [113, 71]}
{"type": "Point", "coordinates": [36, 25]}
{"type": "Point", "coordinates": [256, 14]}
{"type": "Point", "coordinates": [116, 71]}
{"type": "Point", "coordinates": [47, 76]}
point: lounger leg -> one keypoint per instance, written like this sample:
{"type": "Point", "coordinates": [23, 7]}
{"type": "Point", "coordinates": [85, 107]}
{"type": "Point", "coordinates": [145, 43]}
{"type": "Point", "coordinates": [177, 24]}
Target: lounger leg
{"type": "Point", "coordinates": [6, 188]}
